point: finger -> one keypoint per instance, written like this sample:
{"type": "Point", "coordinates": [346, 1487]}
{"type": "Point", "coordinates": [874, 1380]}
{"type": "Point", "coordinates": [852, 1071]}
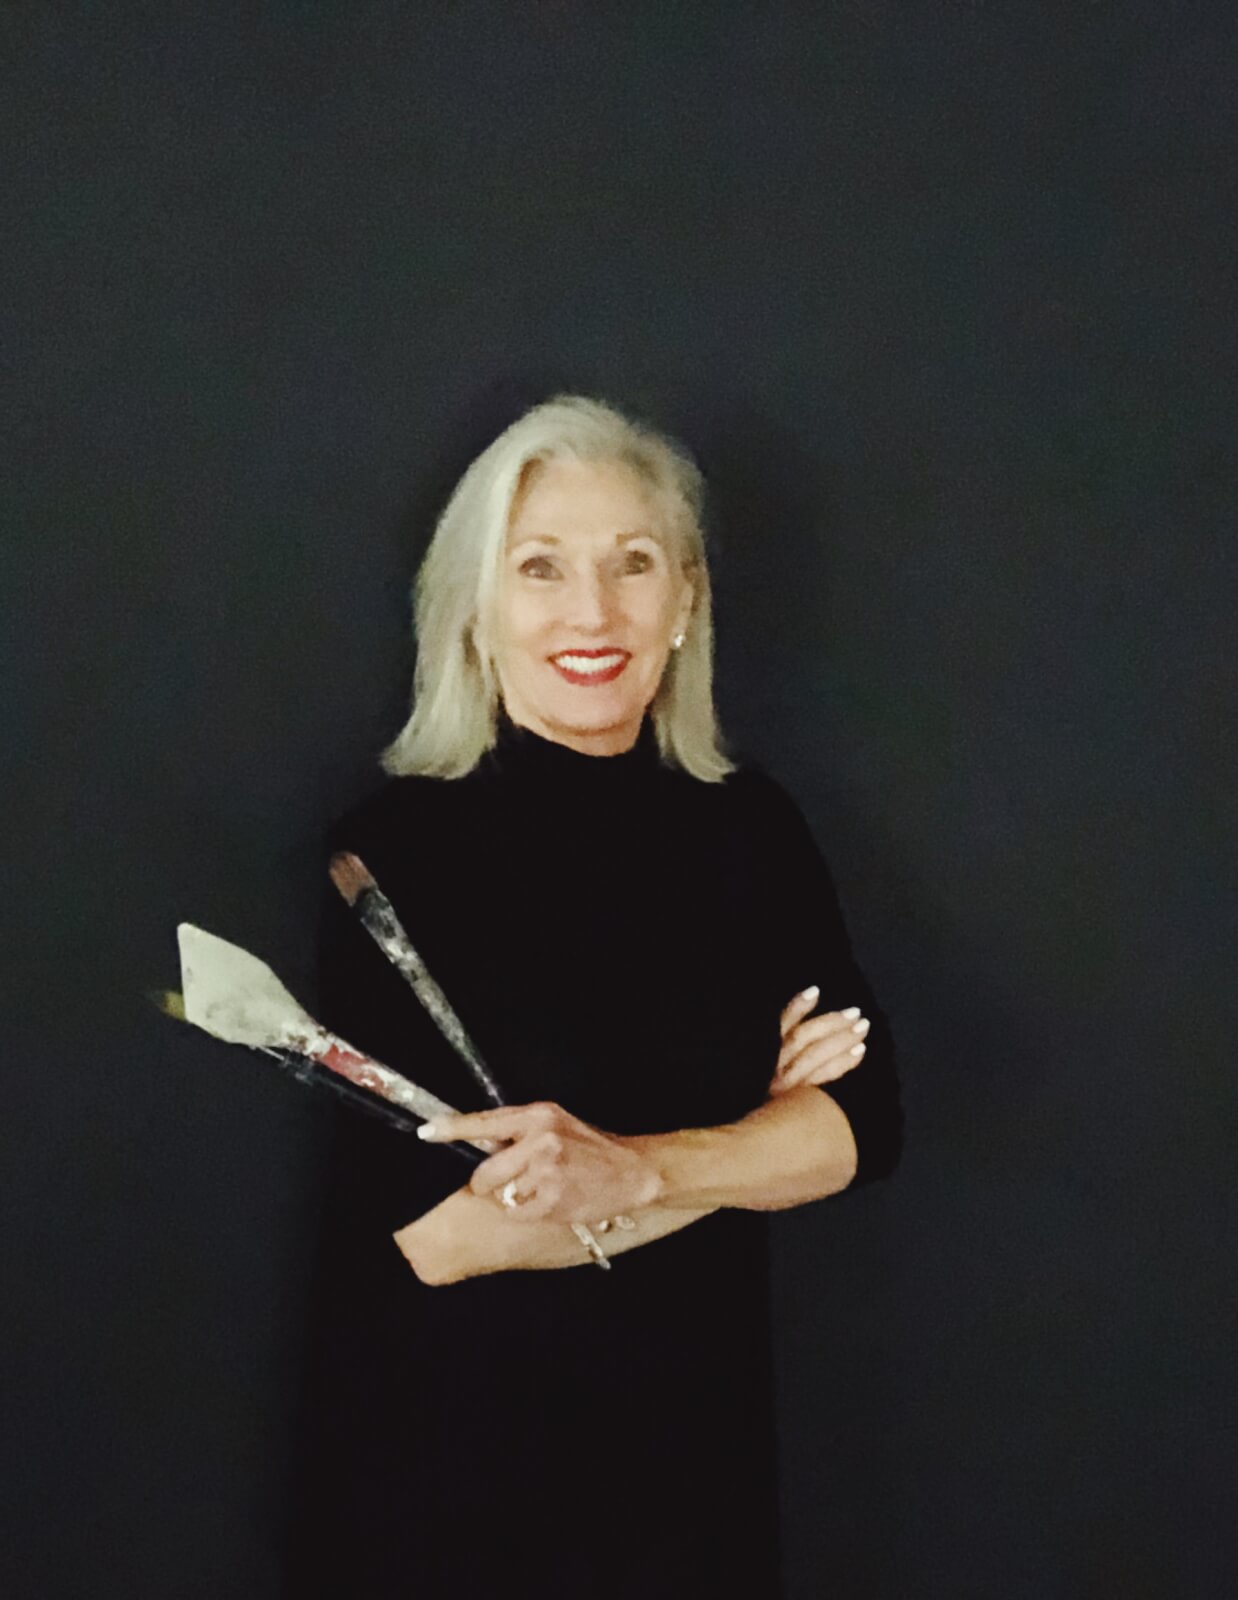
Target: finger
{"type": "Point", "coordinates": [512, 1161]}
{"type": "Point", "coordinates": [817, 1069]}
{"type": "Point", "coordinates": [540, 1186]}
{"type": "Point", "coordinates": [834, 1043]}
{"type": "Point", "coordinates": [523, 1160]}
{"type": "Point", "coordinates": [536, 1203]}
{"type": "Point", "coordinates": [815, 1028]}
{"type": "Point", "coordinates": [842, 1025]}
{"type": "Point", "coordinates": [838, 1046]}
{"type": "Point", "coordinates": [504, 1122]}
{"type": "Point", "coordinates": [798, 1006]}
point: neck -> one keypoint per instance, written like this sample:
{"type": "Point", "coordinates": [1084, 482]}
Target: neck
{"type": "Point", "coordinates": [611, 741]}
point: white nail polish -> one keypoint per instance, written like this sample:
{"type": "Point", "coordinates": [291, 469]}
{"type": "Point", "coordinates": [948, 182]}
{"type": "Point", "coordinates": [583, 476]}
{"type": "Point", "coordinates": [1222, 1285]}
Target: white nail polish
{"type": "Point", "coordinates": [851, 1013]}
{"type": "Point", "coordinates": [812, 992]}
{"type": "Point", "coordinates": [858, 1049]}
{"type": "Point", "coordinates": [860, 1027]}
{"type": "Point", "coordinates": [427, 1130]}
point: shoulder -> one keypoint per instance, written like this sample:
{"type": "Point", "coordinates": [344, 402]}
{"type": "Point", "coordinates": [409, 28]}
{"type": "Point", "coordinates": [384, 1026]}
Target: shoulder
{"type": "Point", "coordinates": [749, 815]}
{"type": "Point", "coordinates": [763, 810]}
{"type": "Point", "coordinates": [388, 810]}
{"type": "Point", "coordinates": [753, 789]}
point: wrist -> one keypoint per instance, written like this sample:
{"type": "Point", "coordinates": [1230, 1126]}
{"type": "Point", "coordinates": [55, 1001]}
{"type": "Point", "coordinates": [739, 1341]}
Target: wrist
{"type": "Point", "coordinates": [645, 1180]}
{"type": "Point", "coordinates": [681, 1165]}
{"type": "Point", "coordinates": [788, 1150]}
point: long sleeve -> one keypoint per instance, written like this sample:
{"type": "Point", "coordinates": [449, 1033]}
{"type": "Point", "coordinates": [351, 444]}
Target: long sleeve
{"type": "Point", "coordinates": [815, 948]}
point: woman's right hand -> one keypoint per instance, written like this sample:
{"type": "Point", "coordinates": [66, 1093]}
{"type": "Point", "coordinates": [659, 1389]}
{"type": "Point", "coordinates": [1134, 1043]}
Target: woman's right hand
{"type": "Point", "coordinates": [817, 1049]}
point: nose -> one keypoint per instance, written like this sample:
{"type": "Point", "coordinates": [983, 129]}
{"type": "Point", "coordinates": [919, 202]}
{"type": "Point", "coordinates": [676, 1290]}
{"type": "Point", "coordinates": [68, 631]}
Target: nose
{"type": "Point", "coordinates": [592, 601]}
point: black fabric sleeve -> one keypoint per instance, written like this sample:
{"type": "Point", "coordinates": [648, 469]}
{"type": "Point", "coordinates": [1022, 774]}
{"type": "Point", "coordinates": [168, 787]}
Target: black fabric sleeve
{"type": "Point", "coordinates": [815, 948]}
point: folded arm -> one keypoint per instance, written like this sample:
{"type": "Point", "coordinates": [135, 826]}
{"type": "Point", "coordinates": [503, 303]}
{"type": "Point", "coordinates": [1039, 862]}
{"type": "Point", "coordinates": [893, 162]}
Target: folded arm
{"type": "Point", "coordinates": [795, 1147]}
{"type": "Point", "coordinates": [468, 1235]}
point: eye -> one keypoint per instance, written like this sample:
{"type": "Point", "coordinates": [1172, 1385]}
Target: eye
{"type": "Point", "coordinates": [535, 561]}
{"type": "Point", "coordinates": [642, 557]}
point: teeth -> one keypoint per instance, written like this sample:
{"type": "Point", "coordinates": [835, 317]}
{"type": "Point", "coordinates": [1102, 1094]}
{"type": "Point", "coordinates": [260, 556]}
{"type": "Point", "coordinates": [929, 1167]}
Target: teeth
{"type": "Point", "coordinates": [588, 663]}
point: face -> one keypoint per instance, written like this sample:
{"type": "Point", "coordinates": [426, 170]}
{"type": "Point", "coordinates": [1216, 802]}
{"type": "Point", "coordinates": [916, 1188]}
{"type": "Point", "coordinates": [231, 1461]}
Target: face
{"type": "Point", "coordinates": [586, 569]}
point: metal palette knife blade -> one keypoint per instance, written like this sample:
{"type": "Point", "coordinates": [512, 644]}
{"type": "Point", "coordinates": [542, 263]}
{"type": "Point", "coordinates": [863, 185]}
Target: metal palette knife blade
{"type": "Point", "coordinates": [234, 996]}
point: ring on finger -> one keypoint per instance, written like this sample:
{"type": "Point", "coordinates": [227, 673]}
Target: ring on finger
{"type": "Point", "coordinates": [511, 1196]}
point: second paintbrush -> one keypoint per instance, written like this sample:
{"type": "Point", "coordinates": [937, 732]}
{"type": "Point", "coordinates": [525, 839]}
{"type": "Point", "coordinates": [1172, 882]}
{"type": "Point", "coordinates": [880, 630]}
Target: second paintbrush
{"type": "Point", "coordinates": [357, 885]}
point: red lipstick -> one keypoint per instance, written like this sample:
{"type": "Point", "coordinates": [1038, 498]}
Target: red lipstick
{"type": "Point", "coordinates": [586, 678]}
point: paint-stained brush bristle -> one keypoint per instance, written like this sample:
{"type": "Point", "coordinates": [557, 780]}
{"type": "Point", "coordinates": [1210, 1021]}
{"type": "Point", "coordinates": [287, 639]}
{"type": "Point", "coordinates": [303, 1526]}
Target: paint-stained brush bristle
{"type": "Point", "coordinates": [350, 875]}
{"type": "Point", "coordinates": [170, 1001]}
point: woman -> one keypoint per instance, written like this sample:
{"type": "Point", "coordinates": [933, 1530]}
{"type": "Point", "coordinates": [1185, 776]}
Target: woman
{"type": "Point", "coordinates": [644, 942]}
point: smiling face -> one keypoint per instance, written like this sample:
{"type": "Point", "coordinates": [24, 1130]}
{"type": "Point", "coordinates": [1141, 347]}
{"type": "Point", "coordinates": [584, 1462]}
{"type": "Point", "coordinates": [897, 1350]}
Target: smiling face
{"type": "Point", "coordinates": [587, 568]}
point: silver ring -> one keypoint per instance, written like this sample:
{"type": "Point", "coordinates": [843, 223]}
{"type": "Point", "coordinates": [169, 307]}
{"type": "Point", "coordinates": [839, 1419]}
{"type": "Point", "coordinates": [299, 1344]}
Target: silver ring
{"type": "Point", "coordinates": [510, 1196]}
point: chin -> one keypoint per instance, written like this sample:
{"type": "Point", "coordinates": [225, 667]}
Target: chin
{"type": "Point", "coordinates": [583, 709]}
{"type": "Point", "coordinates": [590, 710]}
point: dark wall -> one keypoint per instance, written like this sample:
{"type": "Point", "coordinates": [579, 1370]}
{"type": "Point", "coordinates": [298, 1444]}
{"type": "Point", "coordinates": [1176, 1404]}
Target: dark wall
{"type": "Point", "coordinates": [942, 295]}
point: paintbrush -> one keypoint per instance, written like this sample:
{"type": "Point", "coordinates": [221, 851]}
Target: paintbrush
{"type": "Point", "coordinates": [378, 916]}
{"type": "Point", "coordinates": [233, 996]}
{"type": "Point", "coordinates": [305, 1070]}
{"type": "Point", "coordinates": [356, 883]}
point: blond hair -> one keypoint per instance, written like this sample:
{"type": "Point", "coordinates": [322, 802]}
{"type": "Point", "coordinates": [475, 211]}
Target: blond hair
{"type": "Point", "coordinates": [455, 690]}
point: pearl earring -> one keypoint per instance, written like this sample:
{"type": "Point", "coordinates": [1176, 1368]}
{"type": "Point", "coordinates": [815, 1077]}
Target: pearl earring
{"type": "Point", "coordinates": [678, 640]}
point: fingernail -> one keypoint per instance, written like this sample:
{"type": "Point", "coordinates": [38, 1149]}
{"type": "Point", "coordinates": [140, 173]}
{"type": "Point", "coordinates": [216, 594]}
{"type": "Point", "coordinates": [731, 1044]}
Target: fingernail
{"type": "Point", "coordinates": [428, 1130]}
{"type": "Point", "coordinates": [812, 992]}
{"type": "Point", "coordinates": [860, 1027]}
{"type": "Point", "coordinates": [851, 1013]}
{"type": "Point", "coordinates": [858, 1049]}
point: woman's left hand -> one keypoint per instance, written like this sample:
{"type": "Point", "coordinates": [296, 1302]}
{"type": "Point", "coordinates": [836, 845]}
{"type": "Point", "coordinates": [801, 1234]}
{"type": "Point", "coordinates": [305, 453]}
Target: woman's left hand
{"type": "Point", "coordinates": [564, 1170]}
{"type": "Point", "coordinates": [817, 1049]}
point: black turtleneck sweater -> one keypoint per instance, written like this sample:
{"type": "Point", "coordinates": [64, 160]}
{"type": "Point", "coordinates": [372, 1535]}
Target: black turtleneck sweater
{"type": "Point", "coordinates": [621, 938]}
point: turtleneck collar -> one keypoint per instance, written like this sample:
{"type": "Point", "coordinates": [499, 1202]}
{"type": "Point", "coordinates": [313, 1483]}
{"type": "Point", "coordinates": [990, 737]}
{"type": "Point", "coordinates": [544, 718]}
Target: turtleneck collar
{"type": "Point", "coordinates": [519, 751]}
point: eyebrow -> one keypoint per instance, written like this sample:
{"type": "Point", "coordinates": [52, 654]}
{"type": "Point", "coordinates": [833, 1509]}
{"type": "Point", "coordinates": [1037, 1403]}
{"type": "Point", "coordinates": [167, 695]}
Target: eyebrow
{"type": "Point", "coordinates": [620, 538]}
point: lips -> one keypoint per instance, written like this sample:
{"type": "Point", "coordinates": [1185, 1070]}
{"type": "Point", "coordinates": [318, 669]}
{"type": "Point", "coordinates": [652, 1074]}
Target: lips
{"type": "Point", "coordinates": [569, 664]}
{"type": "Point", "coordinates": [609, 650]}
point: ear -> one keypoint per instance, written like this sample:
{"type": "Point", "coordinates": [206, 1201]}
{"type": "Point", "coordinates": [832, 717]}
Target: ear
{"type": "Point", "coordinates": [687, 606]}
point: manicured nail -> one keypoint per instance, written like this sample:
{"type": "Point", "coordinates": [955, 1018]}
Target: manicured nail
{"type": "Point", "coordinates": [811, 993]}
{"type": "Point", "coordinates": [858, 1049]}
{"type": "Point", "coordinates": [860, 1027]}
{"type": "Point", "coordinates": [851, 1013]}
{"type": "Point", "coordinates": [428, 1130]}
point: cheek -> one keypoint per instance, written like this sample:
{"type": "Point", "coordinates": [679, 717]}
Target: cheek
{"type": "Point", "coordinates": [655, 611]}
{"type": "Point", "coordinates": [520, 619]}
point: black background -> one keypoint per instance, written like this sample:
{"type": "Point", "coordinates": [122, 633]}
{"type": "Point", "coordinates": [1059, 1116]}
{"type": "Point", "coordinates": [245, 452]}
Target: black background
{"type": "Point", "coordinates": [942, 296]}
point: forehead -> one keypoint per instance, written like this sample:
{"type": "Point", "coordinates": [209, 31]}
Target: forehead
{"type": "Point", "coordinates": [560, 500]}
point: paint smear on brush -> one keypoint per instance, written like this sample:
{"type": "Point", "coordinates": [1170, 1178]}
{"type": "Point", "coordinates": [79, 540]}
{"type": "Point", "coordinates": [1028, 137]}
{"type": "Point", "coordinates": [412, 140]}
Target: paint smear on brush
{"type": "Point", "coordinates": [234, 996]}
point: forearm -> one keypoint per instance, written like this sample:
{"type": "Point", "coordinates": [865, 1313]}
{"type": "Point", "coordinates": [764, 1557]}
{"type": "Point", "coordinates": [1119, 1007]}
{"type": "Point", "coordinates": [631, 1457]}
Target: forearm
{"type": "Point", "coordinates": [795, 1147]}
{"type": "Point", "coordinates": [468, 1235]}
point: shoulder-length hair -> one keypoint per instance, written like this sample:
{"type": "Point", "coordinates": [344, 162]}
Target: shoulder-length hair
{"type": "Point", "coordinates": [455, 594]}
